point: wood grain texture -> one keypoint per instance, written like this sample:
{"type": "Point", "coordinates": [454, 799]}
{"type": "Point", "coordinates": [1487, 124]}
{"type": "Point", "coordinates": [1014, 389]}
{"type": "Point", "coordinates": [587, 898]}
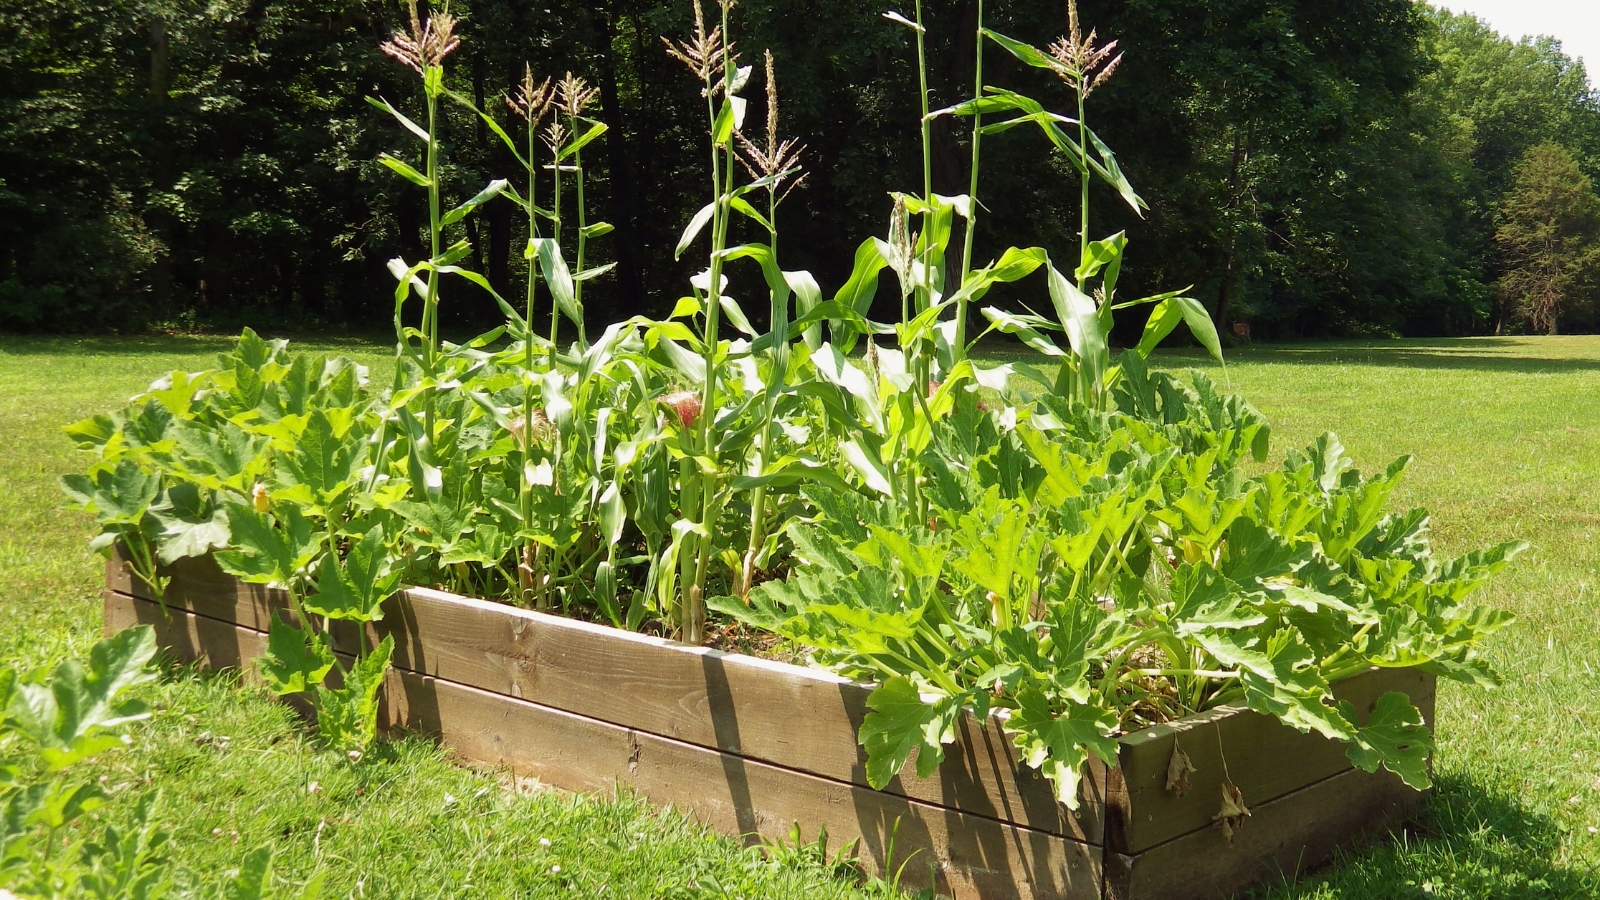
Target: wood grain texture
{"type": "Point", "coordinates": [790, 716]}
{"type": "Point", "coordinates": [1265, 758]}
{"type": "Point", "coordinates": [1282, 839]}
{"type": "Point", "coordinates": [972, 856]}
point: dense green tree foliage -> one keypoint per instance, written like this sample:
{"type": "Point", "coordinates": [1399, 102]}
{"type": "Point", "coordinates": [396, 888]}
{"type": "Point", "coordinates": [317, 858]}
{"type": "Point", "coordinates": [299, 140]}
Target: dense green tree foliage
{"type": "Point", "coordinates": [1550, 238]}
{"type": "Point", "coordinates": [1311, 167]}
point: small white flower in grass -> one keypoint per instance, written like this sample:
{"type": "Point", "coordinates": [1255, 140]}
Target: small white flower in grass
{"type": "Point", "coordinates": [313, 788]}
{"type": "Point", "coordinates": [555, 870]}
{"type": "Point", "coordinates": [544, 842]}
{"type": "Point", "coordinates": [355, 756]}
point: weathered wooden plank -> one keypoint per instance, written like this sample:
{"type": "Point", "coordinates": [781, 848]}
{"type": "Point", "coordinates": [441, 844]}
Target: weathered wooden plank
{"type": "Point", "coordinates": [790, 716]}
{"type": "Point", "coordinates": [200, 586]}
{"type": "Point", "coordinates": [975, 857]}
{"type": "Point", "coordinates": [190, 637]}
{"type": "Point", "coordinates": [1282, 838]}
{"type": "Point", "coordinates": [1265, 758]}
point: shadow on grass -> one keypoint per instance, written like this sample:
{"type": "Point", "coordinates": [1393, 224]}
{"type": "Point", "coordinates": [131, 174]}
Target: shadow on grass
{"type": "Point", "coordinates": [169, 344]}
{"type": "Point", "coordinates": [1467, 843]}
{"type": "Point", "coordinates": [1412, 357]}
{"type": "Point", "coordinates": [1479, 354]}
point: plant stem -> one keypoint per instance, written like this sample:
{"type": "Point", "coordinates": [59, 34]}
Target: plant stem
{"type": "Point", "coordinates": [525, 572]}
{"type": "Point", "coordinates": [1083, 205]}
{"type": "Point", "coordinates": [693, 611]}
{"type": "Point", "coordinates": [430, 306]}
{"type": "Point", "coordinates": [583, 239]}
{"type": "Point", "coordinates": [758, 502]}
{"type": "Point", "coordinates": [972, 192]}
{"type": "Point", "coordinates": [555, 230]}
{"type": "Point", "coordinates": [927, 134]}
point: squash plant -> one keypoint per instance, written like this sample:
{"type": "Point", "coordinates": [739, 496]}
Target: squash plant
{"type": "Point", "coordinates": [53, 721]}
{"type": "Point", "coordinates": [1083, 543]}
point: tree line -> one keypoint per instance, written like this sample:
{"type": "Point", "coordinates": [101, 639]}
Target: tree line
{"type": "Point", "coordinates": [1364, 167]}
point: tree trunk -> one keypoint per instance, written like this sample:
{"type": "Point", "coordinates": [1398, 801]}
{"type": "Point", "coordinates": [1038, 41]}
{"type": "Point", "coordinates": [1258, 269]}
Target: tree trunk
{"type": "Point", "coordinates": [161, 173]}
{"type": "Point", "coordinates": [624, 195]}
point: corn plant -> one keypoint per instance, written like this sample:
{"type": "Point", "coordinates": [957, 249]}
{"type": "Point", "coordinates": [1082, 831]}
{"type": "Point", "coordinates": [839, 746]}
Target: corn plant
{"type": "Point", "coordinates": [1100, 557]}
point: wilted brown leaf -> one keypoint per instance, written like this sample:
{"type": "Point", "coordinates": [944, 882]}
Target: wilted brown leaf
{"type": "Point", "coordinates": [1178, 770]}
{"type": "Point", "coordinates": [1233, 811]}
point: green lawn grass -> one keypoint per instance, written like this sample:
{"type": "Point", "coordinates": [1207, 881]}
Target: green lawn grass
{"type": "Point", "coordinates": [1505, 436]}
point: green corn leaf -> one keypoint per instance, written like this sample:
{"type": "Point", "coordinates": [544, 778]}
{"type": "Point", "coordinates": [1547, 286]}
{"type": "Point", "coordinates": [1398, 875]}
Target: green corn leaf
{"type": "Point", "coordinates": [553, 267]}
{"type": "Point", "coordinates": [613, 514]}
{"type": "Point", "coordinates": [697, 224]}
{"type": "Point", "coordinates": [1080, 320]}
{"type": "Point", "coordinates": [1168, 313]}
{"type": "Point", "coordinates": [1027, 53]}
{"type": "Point", "coordinates": [1104, 255]}
{"type": "Point", "coordinates": [735, 315]}
{"type": "Point", "coordinates": [295, 662]}
{"type": "Point", "coordinates": [1111, 173]}
{"type": "Point", "coordinates": [1025, 327]}
{"type": "Point", "coordinates": [595, 130]}
{"type": "Point", "coordinates": [490, 191]}
{"type": "Point", "coordinates": [1395, 737]}
{"type": "Point", "coordinates": [902, 20]}
{"type": "Point", "coordinates": [492, 125]}
{"type": "Point", "coordinates": [730, 118]}
{"type": "Point", "coordinates": [807, 299]}
{"type": "Point", "coordinates": [858, 292]}
{"type": "Point", "coordinates": [743, 206]}
{"type": "Point", "coordinates": [867, 465]}
{"type": "Point", "coordinates": [405, 170]}
{"type": "Point", "coordinates": [400, 117]}
{"type": "Point", "coordinates": [596, 229]}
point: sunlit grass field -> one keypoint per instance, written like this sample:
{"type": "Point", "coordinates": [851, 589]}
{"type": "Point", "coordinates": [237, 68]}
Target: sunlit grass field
{"type": "Point", "coordinates": [1505, 440]}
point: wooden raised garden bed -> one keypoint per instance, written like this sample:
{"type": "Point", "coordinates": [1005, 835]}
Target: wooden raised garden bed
{"type": "Point", "coordinates": [752, 747]}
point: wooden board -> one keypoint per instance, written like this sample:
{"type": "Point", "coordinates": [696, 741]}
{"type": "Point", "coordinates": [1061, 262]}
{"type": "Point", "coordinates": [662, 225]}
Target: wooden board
{"type": "Point", "coordinates": [975, 857]}
{"type": "Point", "coordinates": [790, 716]}
{"type": "Point", "coordinates": [1265, 758]}
{"type": "Point", "coordinates": [1282, 838]}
